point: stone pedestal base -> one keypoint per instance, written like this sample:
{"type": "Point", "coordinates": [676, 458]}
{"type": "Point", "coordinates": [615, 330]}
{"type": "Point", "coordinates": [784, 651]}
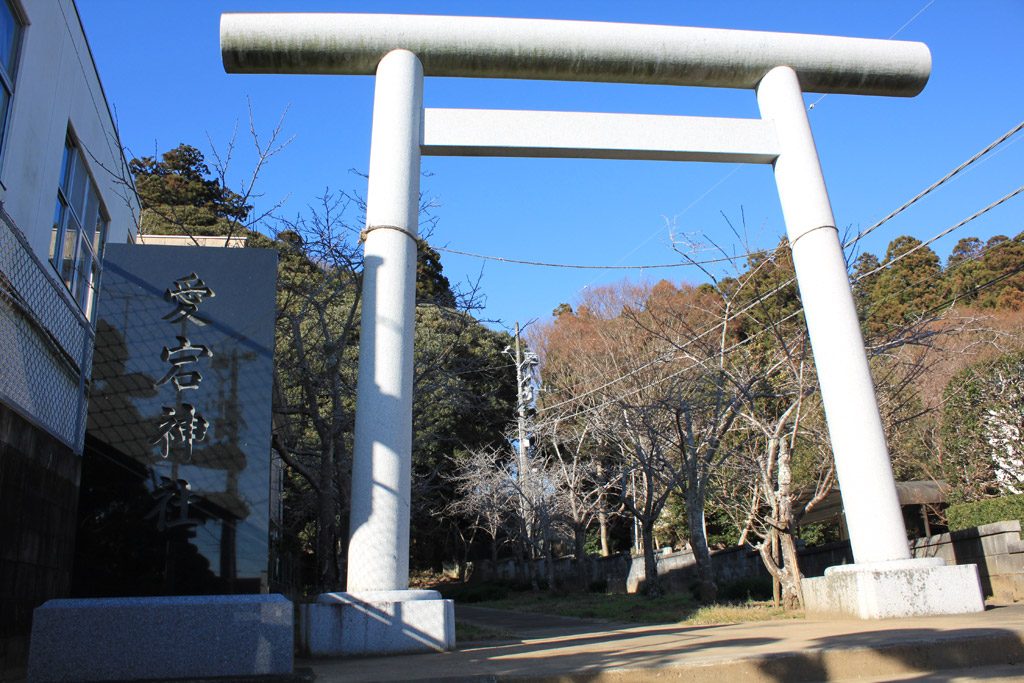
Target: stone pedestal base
{"type": "Point", "coordinates": [904, 588]}
{"type": "Point", "coordinates": [131, 639]}
{"type": "Point", "coordinates": [376, 623]}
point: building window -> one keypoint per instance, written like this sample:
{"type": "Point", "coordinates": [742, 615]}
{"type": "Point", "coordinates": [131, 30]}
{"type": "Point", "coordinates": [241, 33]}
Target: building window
{"type": "Point", "coordinates": [79, 229]}
{"type": "Point", "coordinates": [10, 38]}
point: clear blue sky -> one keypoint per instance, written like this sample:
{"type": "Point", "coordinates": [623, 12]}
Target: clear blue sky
{"type": "Point", "coordinates": [161, 69]}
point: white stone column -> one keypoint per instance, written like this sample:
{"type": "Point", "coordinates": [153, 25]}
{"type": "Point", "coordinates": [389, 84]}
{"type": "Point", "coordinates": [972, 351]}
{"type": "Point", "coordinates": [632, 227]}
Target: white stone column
{"type": "Point", "coordinates": [378, 553]}
{"type": "Point", "coordinates": [884, 581]}
{"type": "Point", "coordinates": [862, 459]}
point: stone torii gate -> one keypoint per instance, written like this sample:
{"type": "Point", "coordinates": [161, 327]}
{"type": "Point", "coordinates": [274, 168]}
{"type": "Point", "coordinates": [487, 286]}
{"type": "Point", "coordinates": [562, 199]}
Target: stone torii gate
{"type": "Point", "coordinates": [379, 613]}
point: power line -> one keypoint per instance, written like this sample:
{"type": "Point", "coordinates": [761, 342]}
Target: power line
{"type": "Point", "coordinates": [943, 233]}
{"type": "Point", "coordinates": [728, 259]}
{"type": "Point", "coordinates": [765, 330]}
{"type": "Point", "coordinates": [678, 264]}
{"type": "Point", "coordinates": [946, 178]}
{"type": "Point", "coordinates": [895, 33]}
{"type": "Point", "coordinates": [938, 183]}
{"type": "Point", "coordinates": [758, 300]}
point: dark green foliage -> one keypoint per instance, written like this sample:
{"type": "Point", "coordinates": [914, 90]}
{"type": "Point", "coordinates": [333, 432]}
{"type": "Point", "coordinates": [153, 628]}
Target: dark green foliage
{"type": "Point", "coordinates": [432, 287]}
{"type": "Point", "coordinates": [755, 292]}
{"type": "Point", "coordinates": [463, 399]}
{"type": "Point", "coordinates": [178, 196]}
{"type": "Point", "coordinates": [972, 266]}
{"type": "Point", "coordinates": [981, 422]}
{"type": "Point", "coordinates": [906, 289]}
{"type": "Point", "coordinates": [989, 511]}
{"type": "Point", "coordinates": [820, 533]}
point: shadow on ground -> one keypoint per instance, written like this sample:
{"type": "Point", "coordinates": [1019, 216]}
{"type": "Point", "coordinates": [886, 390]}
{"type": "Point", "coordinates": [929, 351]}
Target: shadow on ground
{"type": "Point", "coordinates": [567, 649]}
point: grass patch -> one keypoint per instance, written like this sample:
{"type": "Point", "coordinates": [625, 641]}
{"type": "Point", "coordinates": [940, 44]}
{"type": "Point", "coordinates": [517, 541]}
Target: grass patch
{"type": "Point", "coordinates": [741, 612]}
{"type": "Point", "coordinates": [667, 609]}
{"type": "Point", "coordinates": [471, 632]}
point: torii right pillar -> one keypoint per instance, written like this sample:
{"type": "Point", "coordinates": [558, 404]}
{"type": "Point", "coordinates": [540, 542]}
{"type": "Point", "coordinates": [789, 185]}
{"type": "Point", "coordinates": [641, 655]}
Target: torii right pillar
{"type": "Point", "coordinates": [884, 581]}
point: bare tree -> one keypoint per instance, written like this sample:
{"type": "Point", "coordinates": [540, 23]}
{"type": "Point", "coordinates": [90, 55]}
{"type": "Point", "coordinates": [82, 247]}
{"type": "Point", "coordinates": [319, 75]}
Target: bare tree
{"type": "Point", "coordinates": [317, 341]}
{"type": "Point", "coordinates": [578, 478]}
{"type": "Point", "coordinates": [485, 493]}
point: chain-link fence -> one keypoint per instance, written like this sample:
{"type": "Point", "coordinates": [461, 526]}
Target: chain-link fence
{"type": "Point", "coordinates": [46, 340]}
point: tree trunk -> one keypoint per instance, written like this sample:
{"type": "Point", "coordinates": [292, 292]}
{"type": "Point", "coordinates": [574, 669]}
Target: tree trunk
{"type": "Point", "coordinates": [788, 574]}
{"type": "Point", "coordinates": [580, 538]}
{"type": "Point", "coordinates": [602, 520]}
{"type": "Point", "coordinates": [707, 589]}
{"type": "Point", "coordinates": [792, 595]}
{"type": "Point", "coordinates": [651, 585]}
{"type": "Point", "coordinates": [327, 526]}
{"type": "Point", "coordinates": [776, 581]}
{"type": "Point", "coordinates": [548, 540]}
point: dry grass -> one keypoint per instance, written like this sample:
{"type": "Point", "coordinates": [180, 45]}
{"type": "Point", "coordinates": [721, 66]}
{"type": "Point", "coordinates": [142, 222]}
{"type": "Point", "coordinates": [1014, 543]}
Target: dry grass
{"type": "Point", "coordinates": [466, 633]}
{"type": "Point", "coordinates": [667, 609]}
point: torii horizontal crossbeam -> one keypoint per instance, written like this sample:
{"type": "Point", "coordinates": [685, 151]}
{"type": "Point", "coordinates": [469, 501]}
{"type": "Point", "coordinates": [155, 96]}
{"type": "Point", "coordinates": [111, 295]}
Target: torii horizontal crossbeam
{"type": "Point", "coordinates": [587, 135]}
{"type": "Point", "coordinates": [488, 47]}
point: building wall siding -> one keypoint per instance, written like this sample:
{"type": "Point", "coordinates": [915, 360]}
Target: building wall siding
{"type": "Point", "coordinates": [57, 87]}
{"type": "Point", "coordinates": [47, 342]}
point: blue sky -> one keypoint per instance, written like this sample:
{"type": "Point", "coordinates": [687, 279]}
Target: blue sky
{"type": "Point", "coordinates": [161, 69]}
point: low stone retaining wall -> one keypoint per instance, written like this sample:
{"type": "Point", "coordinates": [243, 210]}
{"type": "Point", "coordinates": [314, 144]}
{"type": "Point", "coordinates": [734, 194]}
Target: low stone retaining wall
{"type": "Point", "coordinates": [997, 549]}
{"type": "Point", "coordinates": [624, 574]}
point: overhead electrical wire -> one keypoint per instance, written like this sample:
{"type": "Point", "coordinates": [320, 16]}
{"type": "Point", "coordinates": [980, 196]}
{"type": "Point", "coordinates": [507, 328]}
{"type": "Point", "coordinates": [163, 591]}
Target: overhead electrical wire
{"type": "Point", "coordinates": [758, 300]}
{"type": "Point", "coordinates": [738, 257]}
{"type": "Point", "coordinates": [895, 33]}
{"type": "Point", "coordinates": [652, 266]}
{"type": "Point", "coordinates": [765, 330]}
{"type": "Point", "coordinates": [938, 183]}
{"type": "Point", "coordinates": [943, 233]}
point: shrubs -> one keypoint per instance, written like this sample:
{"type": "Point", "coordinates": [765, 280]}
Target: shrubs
{"type": "Point", "coordinates": [988, 511]}
{"type": "Point", "coordinates": [474, 592]}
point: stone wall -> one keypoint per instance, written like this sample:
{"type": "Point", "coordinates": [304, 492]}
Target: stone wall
{"type": "Point", "coordinates": [624, 574]}
{"type": "Point", "coordinates": [997, 549]}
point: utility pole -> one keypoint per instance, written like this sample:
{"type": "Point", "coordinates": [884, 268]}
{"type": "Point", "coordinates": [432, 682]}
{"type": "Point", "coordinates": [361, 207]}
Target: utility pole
{"type": "Point", "coordinates": [524, 396]}
{"type": "Point", "coordinates": [522, 443]}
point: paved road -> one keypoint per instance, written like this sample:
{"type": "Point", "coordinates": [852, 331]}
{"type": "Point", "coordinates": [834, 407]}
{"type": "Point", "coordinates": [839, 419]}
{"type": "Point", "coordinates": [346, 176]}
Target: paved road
{"type": "Point", "coordinates": [987, 646]}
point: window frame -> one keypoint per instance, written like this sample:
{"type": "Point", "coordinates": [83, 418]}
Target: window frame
{"type": "Point", "coordinates": [88, 240]}
{"type": "Point", "coordinates": [9, 79]}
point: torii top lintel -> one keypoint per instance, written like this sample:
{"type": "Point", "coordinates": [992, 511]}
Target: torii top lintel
{"type": "Point", "coordinates": [486, 47]}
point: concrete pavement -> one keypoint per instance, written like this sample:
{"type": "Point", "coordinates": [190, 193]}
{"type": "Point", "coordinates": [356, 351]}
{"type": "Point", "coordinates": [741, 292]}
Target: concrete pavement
{"type": "Point", "coordinates": [987, 646]}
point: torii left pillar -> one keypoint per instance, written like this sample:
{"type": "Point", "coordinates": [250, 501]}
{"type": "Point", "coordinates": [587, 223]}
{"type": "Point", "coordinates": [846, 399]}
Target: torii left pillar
{"type": "Point", "coordinates": [379, 614]}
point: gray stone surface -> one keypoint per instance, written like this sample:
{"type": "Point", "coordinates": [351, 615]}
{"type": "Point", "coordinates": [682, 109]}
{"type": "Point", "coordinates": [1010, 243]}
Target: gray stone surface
{"type": "Point", "coordinates": [347, 624]}
{"type": "Point", "coordinates": [907, 588]}
{"type": "Point", "coordinates": [161, 637]}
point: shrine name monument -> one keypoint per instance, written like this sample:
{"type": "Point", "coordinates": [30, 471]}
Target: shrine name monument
{"type": "Point", "coordinates": [400, 50]}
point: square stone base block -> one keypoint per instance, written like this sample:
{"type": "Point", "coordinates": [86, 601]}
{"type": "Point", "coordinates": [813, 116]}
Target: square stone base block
{"type": "Point", "coordinates": [111, 639]}
{"type": "Point", "coordinates": [376, 623]}
{"type": "Point", "coordinates": [886, 590]}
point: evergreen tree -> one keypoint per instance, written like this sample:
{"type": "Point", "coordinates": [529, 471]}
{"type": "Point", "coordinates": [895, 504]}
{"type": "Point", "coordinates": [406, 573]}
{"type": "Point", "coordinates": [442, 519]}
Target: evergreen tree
{"type": "Point", "coordinates": [178, 196]}
{"type": "Point", "coordinates": [906, 289]}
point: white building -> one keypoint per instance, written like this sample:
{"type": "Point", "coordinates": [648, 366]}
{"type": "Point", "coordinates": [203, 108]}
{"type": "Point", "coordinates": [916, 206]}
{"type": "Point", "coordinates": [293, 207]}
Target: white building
{"type": "Point", "coordinates": [62, 198]}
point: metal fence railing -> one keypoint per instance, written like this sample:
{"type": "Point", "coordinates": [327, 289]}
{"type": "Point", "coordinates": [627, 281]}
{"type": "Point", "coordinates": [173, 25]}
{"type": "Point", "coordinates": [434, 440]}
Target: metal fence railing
{"type": "Point", "coordinates": [46, 343]}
